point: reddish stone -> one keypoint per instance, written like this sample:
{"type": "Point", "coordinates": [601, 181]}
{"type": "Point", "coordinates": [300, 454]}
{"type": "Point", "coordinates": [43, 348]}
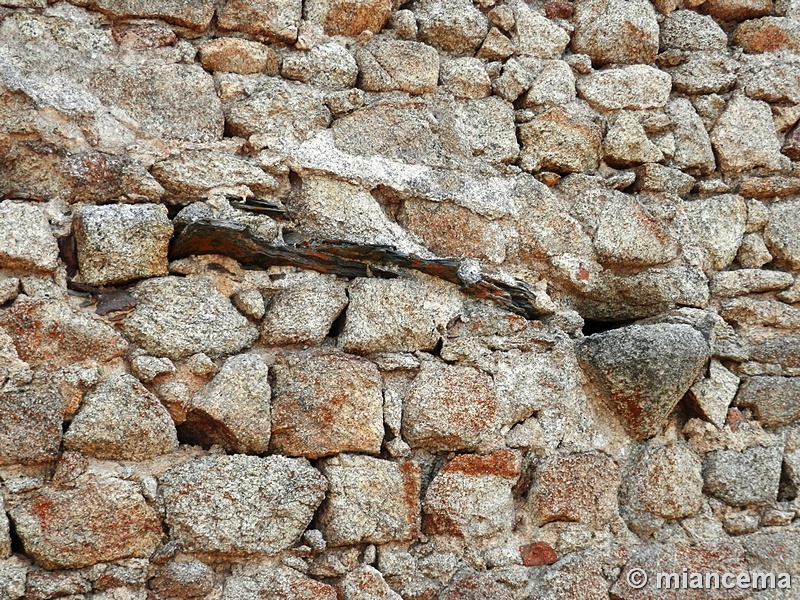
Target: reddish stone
{"type": "Point", "coordinates": [791, 146]}
{"type": "Point", "coordinates": [768, 34]}
{"type": "Point", "coordinates": [537, 554]}
{"type": "Point", "coordinates": [504, 463]}
{"type": "Point", "coordinates": [558, 9]}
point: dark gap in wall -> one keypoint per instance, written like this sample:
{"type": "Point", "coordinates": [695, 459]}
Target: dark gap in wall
{"type": "Point", "coordinates": [787, 490]}
{"type": "Point", "coordinates": [16, 541]}
{"type": "Point", "coordinates": [337, 327]}
{"type": "Point", "coordinates": [592, 326]}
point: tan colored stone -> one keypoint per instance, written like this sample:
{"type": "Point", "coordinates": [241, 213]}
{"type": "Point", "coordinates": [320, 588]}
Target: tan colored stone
{"type": "Point", "coordinates": [272, 19]}
{"type": "Point", "coordinates": [235, 55]}
{"type": "Point", "coordinates": [348, 17]}
{"type": "Point", "coordinates": [555, 141]}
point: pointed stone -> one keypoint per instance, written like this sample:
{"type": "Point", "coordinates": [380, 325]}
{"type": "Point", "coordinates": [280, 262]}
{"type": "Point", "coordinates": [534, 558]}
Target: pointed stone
{"type": "Point", "coordinates": [644, 370]}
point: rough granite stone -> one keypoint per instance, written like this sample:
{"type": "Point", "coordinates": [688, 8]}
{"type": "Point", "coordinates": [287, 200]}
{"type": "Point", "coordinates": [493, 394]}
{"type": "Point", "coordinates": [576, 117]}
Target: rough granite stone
{"type": "Point", "coordinates": [233, 410]}
{"type": "Point", "coordinates": [450, 407]}
{"type": "Point", "coordinates": [774, 400]}
{"type": "Point", "coordinates": [276, 20]}
{"type": "Point", "coordinates": [194, 15]}
{"type": "Point", "coordinates": [637, 87]}
{"type": "Point", "coordinates": [574, 487]}
{"type": "Point", "coordinates": [471, 496]}
{"type": "Point", "coordinates": [727, 284]}
{"type": "Point", "coordinates": [30, 425]}
{"type": "Point", "coordinates": [688, 30]}
{"type": "Point", "coordinates": [455, 26]}
{"type": "Point", "coordinates": [177, 317]}
{"type": "Point", "coordinates": [348, 17]}
{"type": "Point", "coordinates": [616, 31]}
{"type": "Point", "coordinates": [768, 34]}
{"type": "Point", "coordinates": [465, 78]}
{"type": "Point", "coordinates": [121, 242]}
{"type": "Point", "coordinates": [280, 583]}
{"type": "Point", "coordinates": [782, 234]}
{"type": "Point", "coordinates": [370, 501]}
{"type": "Point", "coordinates": [235, 55]}
{"type": "Point", "coordinates": [121, 420]}
{"type": "Point", "coordinates": [714, 394]}
{"type": "Point", "coordinates": [365, 583]}
{"type": "Point", "coordinates": [387, 65]}
{"type": "Point", "coordinates": [326, 402]}
{"type": "Point", "coordinates": [43, 585]}
{"type": "Point", "coordinates": [644, 370]}
{"type": "Point", "coordinates": [746, 478]}
{"type": "Point", "coordinates": [554, 84]}
{"type": "Point", "coordinates": [183, 578]}
{"type": "Point", "coordinates": [326, 65]}
{"type": "Point", "coordinates": [240, 504]}
{"type": "Point", "coordinates": [556, 141]}
{"type": "Point", "coordinates": [716, 225]}
{"type": "Point", "coordinates": [736, 10]}
{"type": "Point", "coordinates": [626, 143]}
{"type": "Point", "coordinates": [535, 35]}
{"type": "Point", "coordinates": [25, 238]}
{"type": "Point", "coordinates": [79, 526]}
{"type": "Point", "coordinates": [692, 145]}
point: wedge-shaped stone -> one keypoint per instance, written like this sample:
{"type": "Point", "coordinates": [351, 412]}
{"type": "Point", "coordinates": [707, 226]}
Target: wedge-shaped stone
{"type": "Point", "coordinates": [25, 238]}
{"type": "Point", "coordinates": [30, 425]}
{"type": "Point", "coordinates": [644, 370]}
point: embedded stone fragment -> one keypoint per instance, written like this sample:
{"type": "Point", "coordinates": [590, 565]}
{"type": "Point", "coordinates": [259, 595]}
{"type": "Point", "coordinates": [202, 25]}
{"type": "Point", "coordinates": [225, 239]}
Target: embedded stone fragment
{"type": "Point", "coordinates": [121, 420]}
{"type": "Point", "coordinates": [302, 308]}
{"type": "Point", "coordinates": [496, 46]}
{"type": "Point", "coordinates": [25, 238]}
{"type": "Point", "coordinates": [389, 65]}
{"type": "Point", "coordinates": [75, 527]}
{"type": "Point", "coordinates": [196, 173]}
{"type": "Point", "coordinates": [169, 101]}
{"type": "Point", "coordinates": [744, 136]}
{"type": "Point", "coordinates": [645, 370]}
{"type": "Point", "coordinates": [768, 34]}
{"type": "Point", "coordinates": [348, 17]}
{"type": "Point", "coordinates": [692, 145]}
{"type": "Point", "coordinates": [575, 487]}
{"type": "Point", "coordinates": [714, 394]}
{"type": "Point", "coordinates": [626, 143]}
{"type": "Point", "coordinates": [478, 586]}
{"type": "Point", "coordinates": [43, 585]}
{"type": "Point", "coordinates": [616, 31]}
{"type": "Point", "coordinates": [183, 578]}
{"type": "Point", "coordinates": [727, 284]}
{"type": "Point", "coordinates": [664, 481]}
{"type": "Point", "coordinates": [704, 73]}
{"type": "Point", "coordinates": [235, 55]}
{"type": "Point", "coordinates": [555, 141]}
{"type": "Point", "coordinates": [791, 145]}
{"type": "Point", "coordinates": [5, 533]}
{"type": "Point", "coordinates": [233, 410]}
{"type": "Point", "coordinates": [13, 574]}
{"type": "Point", "coordinates": [637, 87]}
{"type": "Point", "coordinates": [628, 236]}
{"type": "Point", "coordinates": [688, 30]}
{"type": "Point", "coordinates": [514, 81]}
{"type": "Point", "coordinates": [192, 15]}
{"type": "Point", "coordinates": [50, 334]}
{"type": "Point", "coordinates": [716, 225]}
{"type": "Point", "coordinates": [326, 402]}
{"type": "Point", "coordinates": [240, 504]}
{"type": "Point", "coordinates": [465, 78]}
{"type": "Point", "coordinates": [370, 501]}
{"type": "Point", "coordinates": [281, 113]}
{"type": "Point", "coordinates": [280, 583]}
{"type": "Point", "coordinates": [489, 130]}
{"type": "Point", "coordinates": [121, 242]}
{"type": "Point", "coordinates": [782, 234]}
{"type": "Point", "coordinates": [30, 425]}
{"type": "Point", "coordinates": [535, 35]}
{"type": "Point", "coordinates": [365, 583]}
{"type": "Point", "coordinates": [736, 10]}
{"type": "Point", "coordinates": [774, 400]}
{"type": "Point", "coordinates": [773, 551]}
{"type": "Point", "coordinates": [177, 317]}
{"type": "Point", "coordinates": [450, 407]}
{"type": "Point", "coordinates": [455, 26]}
{"type": "Point", "coordinates": [397, 315]}
{"type": "Point", "coordinates": [326, 65]}
{"type": "Point", "coordinates": [277, 20]}
{"type": "Point", "coordinates": [471, 496]}
{"type": "Point", "coordinates": [653, 177]}
{"type": "Point", "coordinates": [747, 478]}
{"type": "Point", "coordinates": [554, 84]}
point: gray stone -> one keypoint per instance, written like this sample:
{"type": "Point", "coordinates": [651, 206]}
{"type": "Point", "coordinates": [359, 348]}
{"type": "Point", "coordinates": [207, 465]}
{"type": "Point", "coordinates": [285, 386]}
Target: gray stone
{"type": "Point", "coordinates": [196, 174]}
{"type": "Point", "coordinates": [365, 583]}
{"type": "Point", "coordinates": [534, 35]}
{"type": "Point", "coordinates": [235, 55]}
{"type": "Point", "coordinates": [348, 17]}
{"type": "Point", "coordinates": [465, 78]}
{"type": "Point", "coordinates": [79, 526]}
{"type": "Point", "coordinates": [121, 420]}
{"type": "Point", "coordinates": [146, 368]}
{"type": "Point", "coordinates": [637, 87]}
{"type": "Point", "coordinates": [326, 402]}
{"type": "Point", "coordinates": [277, 112]}
{"type": "Point", "coordinates": [183, 578]}
{"type": "Point", "coordinates": [280, 583]}
{"type": "Point", "coordinates": [192, 15]}
{"type": "Point", "coordinates": [397, 315]}
{"type": "Point", "coordinates": [773, 551]}
{"type": "Point", "coordinates": [326, 65]}
{"type": "Point", "coordinates": [746, 478]}
{"type": "Point", "coordinates": [716, 225]}
{"type": "Point", "coordinates": [514, 80]}
{"type": "Point", "coordinates": [626, 143]}
{"type": "Point", "coordinates": [555, 141]}
{"type": "Point", "coordinates": [270, 19]}
{"type": "Point", "coordinates": [43, 585]}
{"type": "Point", "coordinates": [166, 100]}
{"type": "Point", "coordinates": [233, 410]}
{"type": "Point", "coordinates": [774, 400]}
{"type": "Point", "coordinates": [488, 127]}
{"type": "Point", "coordinates": [5, 535]}
{"type": "Point", "coordinates": [704, 73]}
{"type": "Point", "coordinates": [782, 235]}
{"type": "Point", "coordinates": [177, 317]}
{"type": "Point", "coordinates": [25, 238]}
{"type": "Point", "coordinates": [370, 501]}
{"type": "Point", "coordinates": [120, 242]}
{"type": "Point", "coordinates": [727, 284]}
{"type": "Point", "coordinates": [687, 30]}
{"type": "Point", "coordinates": [30, 425]}
{"type": "Point", "coordinates": [9, 289]}
{"type": "Point", "coordinates": [240, 504]}
{"type": "Point", "coordinates": [653, 177]}
{"type": "Point", "coordinates": [692, 145]}
{"type": "Point", "coordinates": [574, 487]}
{"type": "Point", "coordinates": [250, 303]}
{"type": "Point", "coordinates": [616, 31]}
{"type": "Point", "coordinates": [744, 136]}
{"type": "Point", "coordinates": [455, 26]}
{"type": "Point", "coordinates": [628, 236]}
{"type": "Point", "coordinates": [470, 497]}
{"type": "Point", "coordinates": [644, 370]}
{"type": "Point", "coordinates": [302, 308]}
{"type": "Point", "coordinates": [554, 84]}
{"type": "Point", "coordinates": [449, 408]}
{"type": "Point", "coordinates": [13, 573]}
{"type": "Point", "coordinates": [387, 65]}
{"type": "Point", "coordinates": [405, 24]}
{"type": "Point", "coordinates": [714, 394]}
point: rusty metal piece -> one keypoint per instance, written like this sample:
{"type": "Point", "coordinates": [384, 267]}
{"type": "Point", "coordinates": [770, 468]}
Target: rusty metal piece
{"type": "Point", "coordinates": [20, 195]}
{"type": "Point", "coordinates": [346, 259]}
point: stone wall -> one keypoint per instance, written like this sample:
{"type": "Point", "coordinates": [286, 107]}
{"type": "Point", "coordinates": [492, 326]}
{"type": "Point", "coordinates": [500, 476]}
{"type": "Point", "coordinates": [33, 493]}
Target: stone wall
{"type": "Point", "coordinates": [374, 299]}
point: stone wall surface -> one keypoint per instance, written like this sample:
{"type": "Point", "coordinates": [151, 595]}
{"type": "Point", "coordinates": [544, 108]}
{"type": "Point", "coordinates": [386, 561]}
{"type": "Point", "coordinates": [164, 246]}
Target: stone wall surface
{"type": "Point", "coordinates": [398, 299]}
